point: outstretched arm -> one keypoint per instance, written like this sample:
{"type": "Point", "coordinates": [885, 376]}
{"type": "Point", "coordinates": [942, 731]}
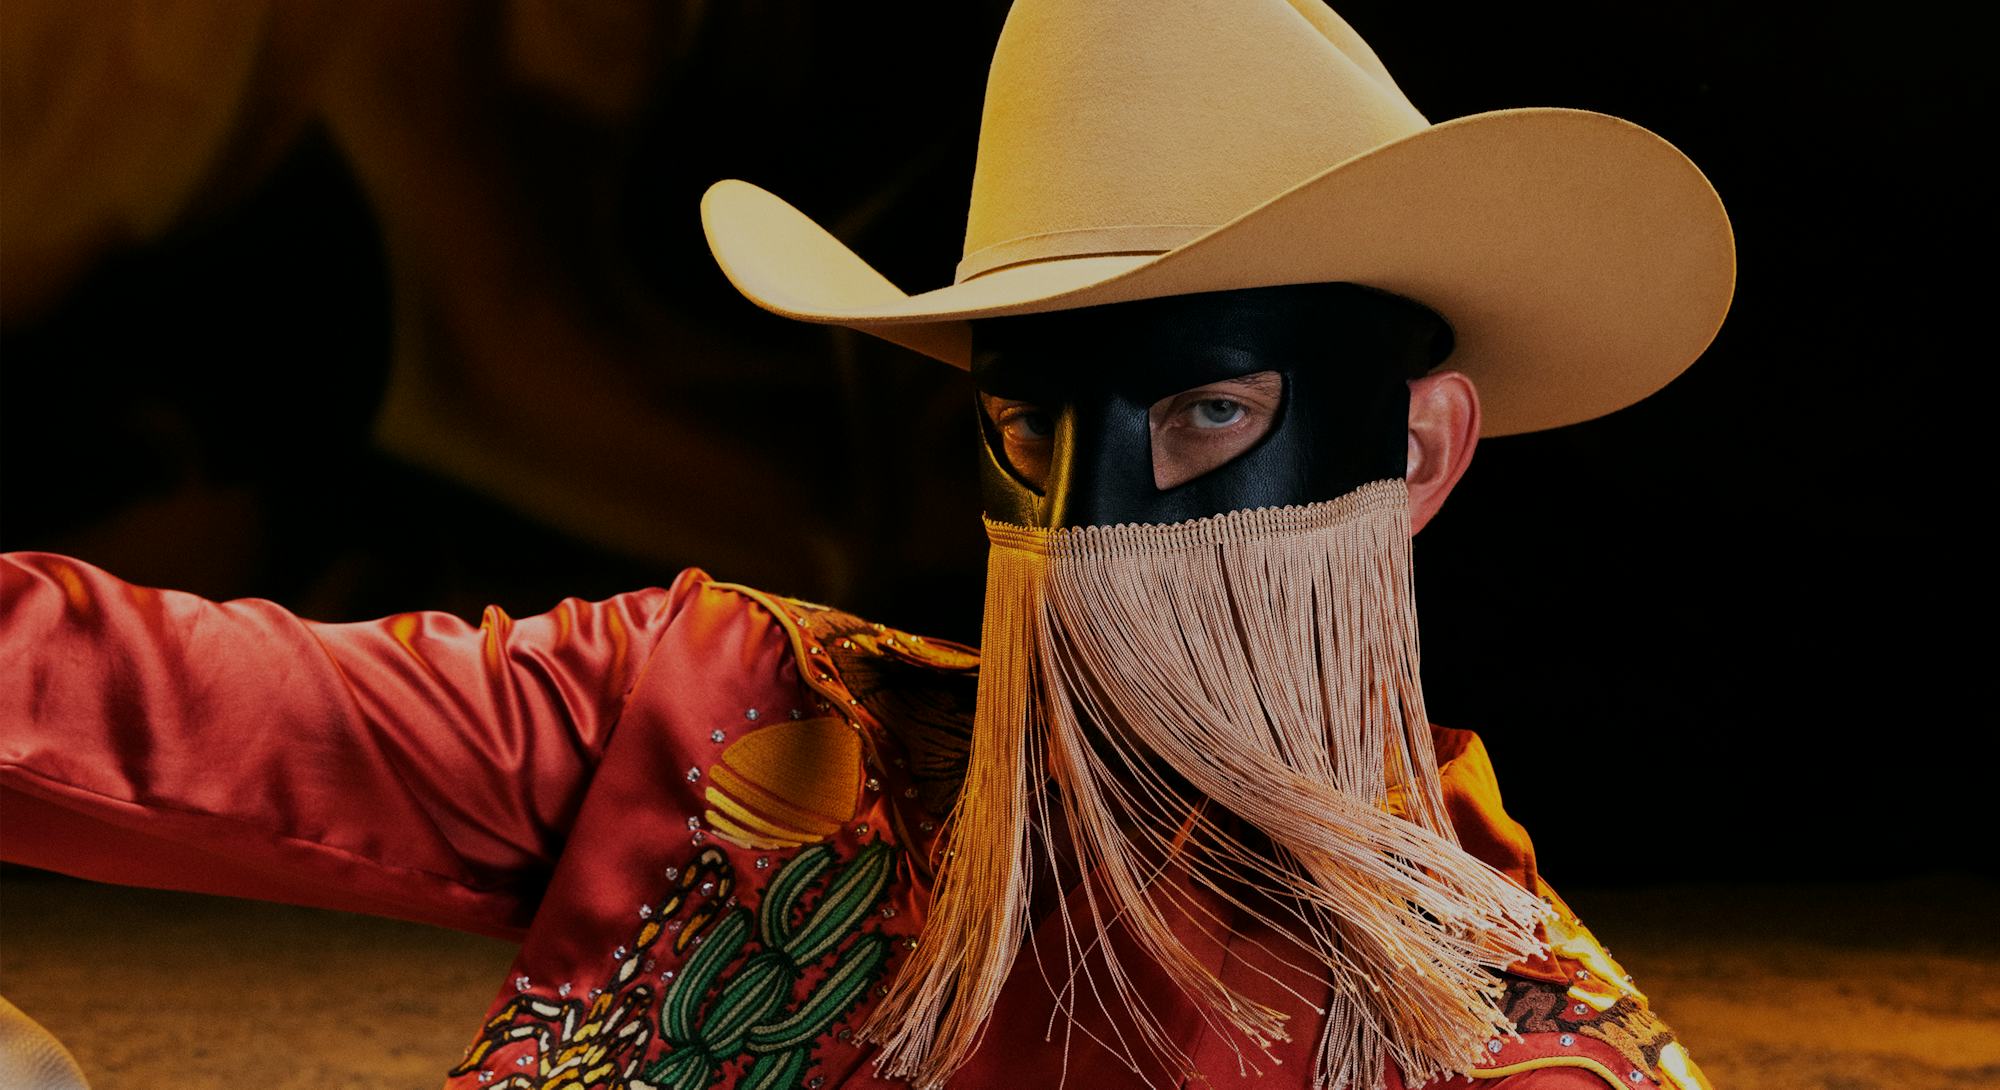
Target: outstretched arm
{"type": "Point", "coordinates": [415, 766]}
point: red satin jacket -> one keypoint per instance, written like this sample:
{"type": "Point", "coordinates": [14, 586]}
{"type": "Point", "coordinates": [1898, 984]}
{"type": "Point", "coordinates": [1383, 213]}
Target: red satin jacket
{"type": "Point", "coordinates": [707, 813]}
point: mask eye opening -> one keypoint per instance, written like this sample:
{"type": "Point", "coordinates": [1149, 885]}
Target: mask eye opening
{"type": "Point", "coordinates": [996, 446]}
{"type": "Point", "coordinates": [1274, 420]}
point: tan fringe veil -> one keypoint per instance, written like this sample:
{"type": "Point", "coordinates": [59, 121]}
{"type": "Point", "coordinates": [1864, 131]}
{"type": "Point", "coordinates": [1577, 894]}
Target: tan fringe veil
{"type": "Point", "coordinates": [1169, 682]}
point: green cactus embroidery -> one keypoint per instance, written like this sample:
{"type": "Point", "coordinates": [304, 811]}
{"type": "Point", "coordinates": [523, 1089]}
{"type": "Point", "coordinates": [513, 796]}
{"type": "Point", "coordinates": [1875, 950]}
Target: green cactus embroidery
{"type": "Point", "coordinates": [747, 1015]}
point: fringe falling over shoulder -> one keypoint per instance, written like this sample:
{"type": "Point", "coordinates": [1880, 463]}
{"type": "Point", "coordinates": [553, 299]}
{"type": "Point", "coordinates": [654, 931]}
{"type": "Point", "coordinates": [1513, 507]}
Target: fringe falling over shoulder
{"type": "Point", "coordinates": [1148, 690]}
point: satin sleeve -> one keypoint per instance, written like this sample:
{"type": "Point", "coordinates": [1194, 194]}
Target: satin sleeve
{"type": "Point", "coordinates": [417, 766]}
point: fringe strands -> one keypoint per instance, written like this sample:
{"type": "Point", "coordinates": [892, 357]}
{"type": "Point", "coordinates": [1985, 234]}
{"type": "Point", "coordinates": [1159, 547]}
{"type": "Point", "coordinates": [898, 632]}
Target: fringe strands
{"type": "Point", "coordinates": [1172, 684]}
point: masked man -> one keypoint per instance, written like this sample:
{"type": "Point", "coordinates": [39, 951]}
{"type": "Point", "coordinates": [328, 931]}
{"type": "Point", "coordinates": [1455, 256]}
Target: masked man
{"type": "Point", "coordinates": [1237, 315]}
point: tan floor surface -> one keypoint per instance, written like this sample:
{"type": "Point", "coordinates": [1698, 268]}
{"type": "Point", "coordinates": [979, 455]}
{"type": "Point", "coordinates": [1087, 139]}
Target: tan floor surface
{"type": "Point", "coordinates": [1851, 987]}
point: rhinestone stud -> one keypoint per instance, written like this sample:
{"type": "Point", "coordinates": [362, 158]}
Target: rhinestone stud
{"type": "Point", "coordinates": [694, 774]}
{"type": "Point", "coordinates": [763, 862]}
{"type": "Point", "coordinates": [750, 714]}
{"type": "Point", "coordinates": [1567, 1039]}
{"type": "Point", "coordinates": [716, 735]}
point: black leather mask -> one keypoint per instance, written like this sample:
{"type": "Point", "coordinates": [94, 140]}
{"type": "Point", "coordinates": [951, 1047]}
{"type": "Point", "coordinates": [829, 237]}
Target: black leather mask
{"type": "Point", "coordinates": [1345, 354]}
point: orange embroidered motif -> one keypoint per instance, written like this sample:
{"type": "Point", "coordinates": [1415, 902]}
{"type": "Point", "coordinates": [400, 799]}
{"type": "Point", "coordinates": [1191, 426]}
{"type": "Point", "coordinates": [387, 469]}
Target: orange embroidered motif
{"type": "Point", "coordinates": [789, 784]}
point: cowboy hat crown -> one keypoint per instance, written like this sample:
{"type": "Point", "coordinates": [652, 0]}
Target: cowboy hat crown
{"type": "Point", "coordinates": [1130, 150]}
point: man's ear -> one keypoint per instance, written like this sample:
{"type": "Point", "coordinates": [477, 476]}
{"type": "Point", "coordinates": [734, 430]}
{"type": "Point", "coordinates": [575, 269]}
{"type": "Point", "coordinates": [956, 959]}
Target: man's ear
{"type": "Point", "coordinates": [1444, 427]}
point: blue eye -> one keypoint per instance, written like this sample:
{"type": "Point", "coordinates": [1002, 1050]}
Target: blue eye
{"type": "Point", "coordinates": [1217, 412]}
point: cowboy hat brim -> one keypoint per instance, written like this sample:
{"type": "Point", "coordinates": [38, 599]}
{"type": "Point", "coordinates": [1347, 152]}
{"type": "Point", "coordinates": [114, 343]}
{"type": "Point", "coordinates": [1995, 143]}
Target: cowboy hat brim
{"type": "Point", "coordinates": [1582, 261]}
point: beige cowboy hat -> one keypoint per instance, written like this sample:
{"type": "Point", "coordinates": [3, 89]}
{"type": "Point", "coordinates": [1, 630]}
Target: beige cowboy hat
{"type": "Point", "coordinates": [1131, 149]}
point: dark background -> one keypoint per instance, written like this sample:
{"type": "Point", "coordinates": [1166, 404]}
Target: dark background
{"type": "Point", "coordinates": [378, 308]}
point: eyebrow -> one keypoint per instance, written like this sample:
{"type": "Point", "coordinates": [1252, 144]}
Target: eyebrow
{"type": "Point", "coordinates": [1269, 383]}
{"type": "Point", "coordinates": [1266, 382]}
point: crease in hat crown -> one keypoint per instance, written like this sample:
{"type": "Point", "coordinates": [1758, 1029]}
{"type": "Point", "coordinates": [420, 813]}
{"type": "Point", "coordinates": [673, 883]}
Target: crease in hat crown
{"type": "Point", "coordinates": [1153, 124]}
{"type": "Point", "coordinates": [1133, 149]}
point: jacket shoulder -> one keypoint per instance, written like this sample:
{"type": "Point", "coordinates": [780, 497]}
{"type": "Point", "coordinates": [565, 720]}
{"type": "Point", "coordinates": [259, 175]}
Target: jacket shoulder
{"type": "Point", "coordinates": [1579, 1008]}
{"type": "Point", "coordinates": [915, 693]}
{"type": "Point", "coordinates": [1576, 1007]}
